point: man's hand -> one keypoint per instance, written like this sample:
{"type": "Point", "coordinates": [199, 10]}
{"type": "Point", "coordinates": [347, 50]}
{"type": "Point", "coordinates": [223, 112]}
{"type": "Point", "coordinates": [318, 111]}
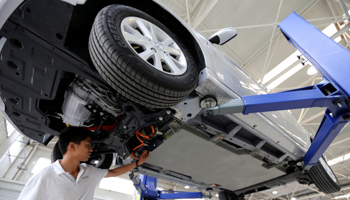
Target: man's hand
{"type": "Point", "coordinates": [143, 157]}
{"type": "Point", "coordinates": [124, 169]}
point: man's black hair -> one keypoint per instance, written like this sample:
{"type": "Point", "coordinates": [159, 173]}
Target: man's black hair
{"type": "Point", "coordinates": [72, 134]}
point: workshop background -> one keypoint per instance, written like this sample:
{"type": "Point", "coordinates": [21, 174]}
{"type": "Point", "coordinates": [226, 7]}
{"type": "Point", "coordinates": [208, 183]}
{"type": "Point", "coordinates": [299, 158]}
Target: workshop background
{"type": "Point", "coordinates": [262, 51]}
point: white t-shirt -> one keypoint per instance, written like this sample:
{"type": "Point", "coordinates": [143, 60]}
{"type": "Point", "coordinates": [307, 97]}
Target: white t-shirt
{"type": "Point", "coordinates": [53, 183]}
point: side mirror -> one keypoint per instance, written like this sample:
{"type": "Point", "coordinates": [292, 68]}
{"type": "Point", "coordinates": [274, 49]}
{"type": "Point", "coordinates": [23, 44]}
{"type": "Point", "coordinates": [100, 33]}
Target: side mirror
{"type": "Point", "coordinates": [223, 36]}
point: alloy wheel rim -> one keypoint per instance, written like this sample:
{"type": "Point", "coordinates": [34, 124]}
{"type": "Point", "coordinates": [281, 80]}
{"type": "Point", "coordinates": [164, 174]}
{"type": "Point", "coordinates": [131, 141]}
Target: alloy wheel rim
{"type": "Point", "coordinates": [154, 46]}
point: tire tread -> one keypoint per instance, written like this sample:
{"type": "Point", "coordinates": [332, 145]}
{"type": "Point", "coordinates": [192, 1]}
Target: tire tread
{"type": "Point", "coordinates": [322, 180]}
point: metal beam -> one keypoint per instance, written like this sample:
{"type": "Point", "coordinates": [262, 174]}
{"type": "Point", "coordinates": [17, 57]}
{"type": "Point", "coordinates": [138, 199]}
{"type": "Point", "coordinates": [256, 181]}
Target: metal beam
{"type": "Point", "coordinates": [318, 19]}
{"type": "Point", "coordinates": [339, 142]}
{"type": "Point", "coordinates": [8, 142]}
{"type": "Point", "coordinates": [346, 3]}
{"type": "Point", "coordinates": [338, 18]}
{"type": "Point", "coordinates": [345, 9]}
{"type": "Point", "coordinates": [250, 59]}
{"type": "Point", "coordinates": [184, 16]}
{"type": "Point", "coordinates": [188, 13]}
{"type": "Point", "coordinates": [26, 161]}
{"type": "Point", "coordinates": [335, 12]}
{"type": "Point", "coordinates": [195, 6]}
{"type": "Point", "coordinates": [313, 117]}
{"type": "Point", "coordinates": [270, 44]}
{"type": "Point", "coordinates": [205, 13]}
{"type": "Point", "coordinates": [297, 62]}
{"type": "Point", "coordinates": [331, 6]}
{"type": "Point", "coordinates": [233, 54]}
{"type": "Point", "coordinates": [340, 32]}
{"type": "Point", "coordinates": [347, 45]}
{"type": "Point", "coordinates": [180, 5]}
{"type": "Point", "coordinates": [331, 22]}
{"type": "Point", "coordinates": [318, 194]}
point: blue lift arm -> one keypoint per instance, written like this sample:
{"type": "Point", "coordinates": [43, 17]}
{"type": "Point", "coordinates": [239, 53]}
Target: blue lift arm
{"type": "Point", "coordinates": [333, 61]}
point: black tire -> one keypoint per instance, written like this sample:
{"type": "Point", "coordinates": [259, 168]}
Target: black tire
{"type": "Point", "coordinates": [104, 160]}
{"type": "Point", "coordinates": [323, 178]}
{"type": "Point", "coordinates": [129, 74]}
{"type": "Point", "coordinates": [228, 195]}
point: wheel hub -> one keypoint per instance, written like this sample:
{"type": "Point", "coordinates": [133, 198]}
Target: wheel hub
{"type": "Point", "coordinates": [158, 46]}
{"type": "Point", "coordinates": [154, 45]}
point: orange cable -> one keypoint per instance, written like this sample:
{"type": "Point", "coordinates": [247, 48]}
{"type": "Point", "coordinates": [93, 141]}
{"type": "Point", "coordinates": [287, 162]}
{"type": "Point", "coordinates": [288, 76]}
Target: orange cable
{"type": "Point", "coordinates": [138, 133]}
{"type": "Point", "coordinates": [132, 154]}
{"type": "Point", "coordinates": [142, 143]}
{"type": "Point", "coordinates": [145, 136]}
{"type": "Point", "coordinates": [153, 131]}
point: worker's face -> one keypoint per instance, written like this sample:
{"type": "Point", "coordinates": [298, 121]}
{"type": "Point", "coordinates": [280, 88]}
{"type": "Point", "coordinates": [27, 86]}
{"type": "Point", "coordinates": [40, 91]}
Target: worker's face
{"type": "Point", "coordinates": [83, 150]}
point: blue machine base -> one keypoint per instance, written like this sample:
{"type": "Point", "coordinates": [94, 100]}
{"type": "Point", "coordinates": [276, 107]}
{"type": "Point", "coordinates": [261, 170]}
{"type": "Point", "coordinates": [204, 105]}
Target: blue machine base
{"type": "Point", "coordinates": [147, 189]}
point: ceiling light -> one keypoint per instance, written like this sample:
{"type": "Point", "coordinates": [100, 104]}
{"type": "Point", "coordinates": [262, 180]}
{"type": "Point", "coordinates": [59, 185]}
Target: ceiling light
{"type": "Point", "coordinates": [311, 71]}
{"type": "Point", "coordinates": [274, 192]}
{"type": "Point", "coordinates": [293, 198]}
{"type": "Point", "coordinates": [339, 159]}
{"type": "Point", "coordinates": [285, 76]}
{"type": "Point", "coordinates": [331, 30]}
{"type": "Point", "coordinates": [187, 187]}
{"type": "Point", "coordinates": [280, 67]}
{"type": "Point", "coordinates": [337, 39]}
{"type": "Point", "coordinates": [217, 195]}
{"type": "Point", "coordinates": [346, 196]}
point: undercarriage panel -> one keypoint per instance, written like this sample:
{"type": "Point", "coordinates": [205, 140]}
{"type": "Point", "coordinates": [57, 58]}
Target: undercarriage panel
{"type": "Point", "coordinates": [187, 152]}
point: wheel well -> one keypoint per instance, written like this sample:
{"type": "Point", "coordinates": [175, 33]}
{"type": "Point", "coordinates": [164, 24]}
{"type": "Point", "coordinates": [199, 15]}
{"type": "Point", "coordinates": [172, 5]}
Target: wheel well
{"type": "Point", "coordinates": [83, 17]}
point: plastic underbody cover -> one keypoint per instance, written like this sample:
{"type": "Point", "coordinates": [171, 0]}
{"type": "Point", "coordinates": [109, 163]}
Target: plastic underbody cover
{"type": "Point", "coordinates": [189, 154]}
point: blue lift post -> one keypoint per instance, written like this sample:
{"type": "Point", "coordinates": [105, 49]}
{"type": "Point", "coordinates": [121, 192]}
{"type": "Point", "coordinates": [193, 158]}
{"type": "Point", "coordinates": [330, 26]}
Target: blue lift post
{"type": "Point", "coordinates": [333, 61]}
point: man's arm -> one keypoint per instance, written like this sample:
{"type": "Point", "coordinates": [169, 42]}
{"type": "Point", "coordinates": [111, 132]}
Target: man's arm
{"type": "Point", "coordinates": [123, 169]}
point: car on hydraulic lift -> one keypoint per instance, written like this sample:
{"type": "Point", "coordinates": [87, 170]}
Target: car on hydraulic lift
{"type": "Point", "coordinates": [139, 77]}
